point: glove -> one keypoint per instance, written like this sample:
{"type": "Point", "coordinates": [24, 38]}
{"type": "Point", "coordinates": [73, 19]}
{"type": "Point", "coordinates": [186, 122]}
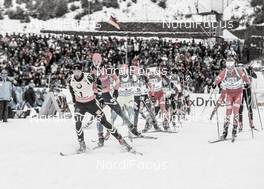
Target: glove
{"type": "Point", "coordinates": [101, 102]}
{"type": "Point", "coordinates": [115, 94]}
{"type": "Point", "coordinates": [75, 107]}
{"type": "Point", "coordinates": [142, 98]}
{"type": "Point", "coordinates": [152, 98]}
{"type": "Point", "coordinates": [213, 86]}
{"type": "Point", "coordinates": [212, 114]}
{"type": "Point", "coordinates": [246, 85]}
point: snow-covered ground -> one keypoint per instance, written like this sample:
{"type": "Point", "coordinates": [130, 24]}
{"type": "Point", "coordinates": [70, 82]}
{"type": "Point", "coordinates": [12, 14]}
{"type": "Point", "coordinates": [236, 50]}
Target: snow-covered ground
{"type": "Point", "coordinates": [30, 157]}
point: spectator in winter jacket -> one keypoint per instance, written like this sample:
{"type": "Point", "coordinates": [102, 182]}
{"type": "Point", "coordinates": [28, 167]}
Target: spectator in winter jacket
{"type": "Point", "coordinates": [5, 95]}
{"type": "Point", "coordinates": [29, 95]}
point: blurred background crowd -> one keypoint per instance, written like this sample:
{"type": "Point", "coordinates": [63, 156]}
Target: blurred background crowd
{"type": "Point", "coordinates": [44, 61]}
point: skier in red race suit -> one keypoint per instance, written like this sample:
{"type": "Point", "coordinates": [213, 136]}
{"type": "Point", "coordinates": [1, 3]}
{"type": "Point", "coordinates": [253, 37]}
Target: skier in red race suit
{"type": "Point", "coordinates": [232, 79]}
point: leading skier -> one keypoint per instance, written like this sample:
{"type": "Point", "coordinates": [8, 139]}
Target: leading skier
{"type": "Point", "coordinates": [82, 90]}
{"type": "Point", "coordinates": [232, 79]}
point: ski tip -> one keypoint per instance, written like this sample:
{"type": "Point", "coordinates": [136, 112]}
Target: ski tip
{"type": "Point", "coordinates": [219, 140]}
{"type": "Point", "coordinates": [136, 153]}
{"type": "Point", "coordinates": [62, 154]}
{"type": "Point", "coordinates": [97, 147]}
{"type": "Point", "coordinates": [215, 141]}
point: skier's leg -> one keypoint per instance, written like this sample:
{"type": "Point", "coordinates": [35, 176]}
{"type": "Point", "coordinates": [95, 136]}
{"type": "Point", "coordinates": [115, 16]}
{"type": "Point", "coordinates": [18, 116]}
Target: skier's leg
{"type": "Point", "coordinates": [129, 108]}
{"type": "Point", "coordinates": [78, 126]}
{"type": "Point", "coordinates": [117, 108]}
{"type": "Point", "coordinates": [151, 118]}
{"type": "Point", "coordinates": [148, 117]}
{"type": "Point", "coordinates": [157, 109]}
{"type": "Point", "coordinates": [95, 110]}
{"type": "Point", "coordinates": [136, 109]}
{"type": "Point", "coordinates": [100, 127]}
{"type": "Point", "coordinates": [229, 107]}
{"type": "Point", "coordinates": [112, 103]}
{"type": "Point", "coordinates": [164, 113]}
{"type": "Point", "coordinates": [236, 105]}
{"type": "Point", "coordinates": [112, 120]}
{"type": "Point", "coordinates": [113, 116]}
{"type": "Point", "coordinates": [141, 111]}
{"type": "Point", "coordinates": [179, 107]}
{"type": "Point", "coordinates": [249, 107]}
{"type": "Point", "coordinates": [100, 132]}
{"type": "Point", "coordinates": [78, 116]}
{"type": "Point", "coordinates": [174, 110]}
{"type": "Point", "coordinates": [168, 108]}
{"type": "Point", "coordinates": [187, 99]}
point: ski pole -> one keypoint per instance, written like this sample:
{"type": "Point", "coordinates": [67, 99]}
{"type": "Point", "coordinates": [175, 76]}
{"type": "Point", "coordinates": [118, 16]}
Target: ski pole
{"type": "Point", "coordinates": [217, 120]}
{"type": "Point", "coordinates": [153, 117]}
{"type": "Point", "coordinates": [248, 106]}
{"type": "Point", "coordinates": [208, 99]}
{"type": "Point", "coordinates": [256, 100]}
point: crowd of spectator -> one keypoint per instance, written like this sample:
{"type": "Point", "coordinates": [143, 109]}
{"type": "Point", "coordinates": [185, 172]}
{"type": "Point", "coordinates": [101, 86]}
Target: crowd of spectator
{"type": "Point", "coordinates": [46, 60]}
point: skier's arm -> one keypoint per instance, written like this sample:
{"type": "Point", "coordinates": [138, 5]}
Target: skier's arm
{"type": "Point", "coordinates": [244, 76]}
{"type": "Point", "coordinates": [174, 87]}
{"type": "Point", "coordinates": [98, 87]}
{"type": "Point", "coordinates": [72, 93]}
{"type": "Point", "coordinates": [219, 78]}
{"type": "Point", "coordinates": [117, 81]}
{"type": "Point", "coordinates": [251, 72]}
{"type": "Point", "coordinates": [96, 82]}
{"type": "Point", "coordinates": [149, 85]}
{"type": "Point", "coordinates": [166, 79]}
{"type": "Point", "coordinates": [254, 75]}
{"type": "Point", "coordinates": [99, 97]}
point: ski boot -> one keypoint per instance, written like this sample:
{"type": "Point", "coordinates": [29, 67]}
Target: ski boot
{"type": "Point", "coordinates": [145, 130]}
{"type": "Point", "coordinates": [240, 128]}
{"type": "Point", "coordinates": [173, 120]}
{"type": "Point", "coordinates": [134, 130]}
{"type": "Point", "coordinates": [125, 144]}
{"type": "Point", "coordinates": [151, 123]}
{"type": "Point", "coordinates": [82, 148]}
{"type": "Point", "coordinates": [156, 127]}
{"type": "Point", "coordinates": [100, 139]}
{"type": "Point", "coordinates": [234, 133]}
{"type": "Point", "coordinates": [107, 135]}
{"type": "Point", "coordinates": [252, 126]}
{"type": "Point", "coordinates": [147, 127]}
{"type": "Point", "coordinates": [166, 125]}
{"type": "Point", "coordinates": [225, 132]}
{"type": "Point", "coordinates": [174, 124]}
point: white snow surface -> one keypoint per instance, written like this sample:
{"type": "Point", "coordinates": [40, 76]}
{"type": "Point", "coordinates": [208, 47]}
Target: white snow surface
{"type": "Point", "coordinates": [30, 157]}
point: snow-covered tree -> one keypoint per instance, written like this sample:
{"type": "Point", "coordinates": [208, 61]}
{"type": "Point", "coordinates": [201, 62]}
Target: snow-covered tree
{"type": "Point", "coordinates": [8, 3]}
{"type": "Point", "coordinates": [61, 8]}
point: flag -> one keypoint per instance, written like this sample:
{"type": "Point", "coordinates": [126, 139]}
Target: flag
{"type": "Point", "coordinates": [113, 22]}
